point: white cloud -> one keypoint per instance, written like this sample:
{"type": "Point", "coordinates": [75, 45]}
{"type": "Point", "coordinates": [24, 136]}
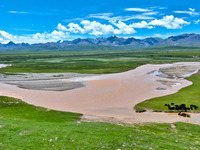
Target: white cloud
{"type": "Point", "coordinates": [54, 36]}
{"type": "Point", "coordinates": [72, 28]}
{"type": "Point", "coordinates": [86, 26]}
{"type": "Point", "coordinates": [137, 9]}
{"type": "Point", "coordinates": [57, 35]}
{"type": "Point", "coordinates": [191, 12]}
{"type": "Point", "coordinates": [74, 19]}
{"type": "Point", "coordinates": [115, 25]}
{"type": "Point", "coordinates": [44, 37]}
{"type": "Point", "coordinates": [105, 16]}
{"type": "Point", "coordinates": [150, 13]}
{"type": "Point", "coordinates": [144, 14]}
{"type": "Point", "coordinates": [97, 28]}
{"type": "Point", "coordinates": [196, 21]}
{"type": "Point", "coordinates": [192, 9]}
{"type": "Point", "coordinates": [142, 24]}
{"type": "Point", "coordinates": [61, 27]}
{"type": "Point", "coordinates": [123, 28]}
{"type": "Point", "coordinates": [134, 17]}
{"type": "Point", "coordinates": [5, 36]}
{"type": "Point", "coordinates": [158, 7]}
{"type": "Point", "coordinates": [17, 12]}
{"type": "Point", "coordinates": [170, 22]}
{"type": "Point", "coordinates": [162, 8]}
{"type": "Point", "coordinates": [75, 28]}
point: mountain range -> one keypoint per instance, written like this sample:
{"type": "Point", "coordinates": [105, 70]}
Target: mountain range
{"type": "Point", "coordinates": [113, 42]}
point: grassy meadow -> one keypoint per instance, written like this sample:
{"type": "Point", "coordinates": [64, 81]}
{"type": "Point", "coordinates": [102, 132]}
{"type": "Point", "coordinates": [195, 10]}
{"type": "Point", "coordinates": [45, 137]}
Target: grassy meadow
{"type": "Point", "coordinates": [24, 126]}
{"type": "Point", "coordinates": [95, 62]}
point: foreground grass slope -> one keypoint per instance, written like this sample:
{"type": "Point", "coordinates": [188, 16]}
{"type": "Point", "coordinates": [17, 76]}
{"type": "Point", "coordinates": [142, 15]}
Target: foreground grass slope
{"type": "Point", "coordinates": [189, 95]}
{"type": "Point", "coordinates": [24, 126]}
{"type": "Point", "coordinates": [15, 108]}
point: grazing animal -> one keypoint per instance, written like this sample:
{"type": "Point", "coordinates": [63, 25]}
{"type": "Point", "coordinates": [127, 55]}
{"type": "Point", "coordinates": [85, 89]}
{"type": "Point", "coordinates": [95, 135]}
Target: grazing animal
{"type": "Point", "coordinates": [184, 114]}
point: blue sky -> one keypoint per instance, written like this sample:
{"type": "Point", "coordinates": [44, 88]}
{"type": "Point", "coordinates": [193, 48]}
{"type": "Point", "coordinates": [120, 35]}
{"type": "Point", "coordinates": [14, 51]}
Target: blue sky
{"type": "Point", "coordinates": [37, 21]}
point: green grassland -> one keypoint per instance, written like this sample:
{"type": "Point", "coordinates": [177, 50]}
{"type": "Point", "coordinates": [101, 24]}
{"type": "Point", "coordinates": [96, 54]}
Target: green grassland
{"type": "Point", "coordinates": [24, 126]}
{"type": "Point", "coordinates": [188, 95]}
{"type": "Point", "coordinates": [95, 62]}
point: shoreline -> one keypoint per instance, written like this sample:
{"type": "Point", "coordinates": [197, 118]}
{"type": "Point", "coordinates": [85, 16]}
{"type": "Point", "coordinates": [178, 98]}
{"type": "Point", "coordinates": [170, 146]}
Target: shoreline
{"type": "Point", "coordinates": [110, 95]}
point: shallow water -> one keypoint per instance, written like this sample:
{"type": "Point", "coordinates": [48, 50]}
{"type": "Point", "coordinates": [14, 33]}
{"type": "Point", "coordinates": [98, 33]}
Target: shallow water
{"type": "Point", "coordinates": [4, 65]}
{"type": "Point", "coordinates": [189, 74]}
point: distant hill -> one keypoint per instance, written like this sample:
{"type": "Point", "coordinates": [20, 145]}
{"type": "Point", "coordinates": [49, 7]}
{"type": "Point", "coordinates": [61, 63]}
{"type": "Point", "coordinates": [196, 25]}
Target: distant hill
{"type": "Point", "coordinates": [110, 43]}
{"type": "Point", "coordinates": [181, 40]}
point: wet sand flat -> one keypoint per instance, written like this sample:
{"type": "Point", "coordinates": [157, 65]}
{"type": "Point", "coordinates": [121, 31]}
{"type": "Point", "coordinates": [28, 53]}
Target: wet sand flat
{"type": "Point", "coordinates": [48, 85]}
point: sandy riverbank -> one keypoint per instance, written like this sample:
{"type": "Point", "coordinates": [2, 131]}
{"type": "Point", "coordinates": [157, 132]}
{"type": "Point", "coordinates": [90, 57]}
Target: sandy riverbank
{"type": "Point", "coordinates": [113, 95]}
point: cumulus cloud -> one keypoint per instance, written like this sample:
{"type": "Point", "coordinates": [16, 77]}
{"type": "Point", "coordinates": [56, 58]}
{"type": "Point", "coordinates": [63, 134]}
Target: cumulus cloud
{"type": "Point", "coordinates": [123, 28]}
{"type": "Point", "coordinates": [45, 37]}
{"type": "Point", "coordinates": [120, 27]}
{"type": "Point", "coordinates": [170, 22]}
{"type": "Point", "coordinates": [142, 24]}
{"type": "Point", "coordinates": [114, 25]}
{"type": "Point", "coordinates": [97, 28]}
{"type": "Point", "coordinates": [54, 36]}
{"type": "Point", "coordinates": [61, 27]}
{"type": "Point", "coordinates": [137, 9]}
{"type": "Point", "coordinates": [75, 28]}
{"type": "Point", "coordinates": [6, 37]}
